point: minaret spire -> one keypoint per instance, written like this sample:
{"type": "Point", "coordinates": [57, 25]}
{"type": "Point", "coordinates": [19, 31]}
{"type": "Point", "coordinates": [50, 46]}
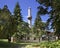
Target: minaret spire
{"type": "Point", "coordinates": [29, 17]}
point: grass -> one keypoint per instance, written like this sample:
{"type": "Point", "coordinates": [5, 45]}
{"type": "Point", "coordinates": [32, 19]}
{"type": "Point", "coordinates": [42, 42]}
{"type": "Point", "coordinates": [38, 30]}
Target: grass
{"type": "Point", "coordinates": [12, 45]}
{"type": "Point", "coordinates": [4, 40]}
{"type": "Point", "coordinates": [5, 44]}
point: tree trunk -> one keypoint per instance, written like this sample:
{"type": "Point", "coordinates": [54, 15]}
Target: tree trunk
{"type": "Point", "coordinates": [9, 39]}
{"type": "Point", "coordinates": [39, 39]}
{"type": "Point", "coordinates": [58, 37]}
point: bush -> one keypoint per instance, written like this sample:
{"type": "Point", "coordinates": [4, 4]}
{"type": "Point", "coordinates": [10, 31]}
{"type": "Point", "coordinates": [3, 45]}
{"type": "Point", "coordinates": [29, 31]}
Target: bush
{"type": "Point", "coordinates": [55, 44]}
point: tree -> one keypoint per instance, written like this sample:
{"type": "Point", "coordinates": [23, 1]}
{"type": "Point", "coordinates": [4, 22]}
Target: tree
{"type": "Point", "coordinates": [0, 19]}
{"type": "Point", "coordinates": [17, 14]}
{"type": "Point", "coordinates": [5, 22]}
{"type": "Point", "coordinates": [24, 30]}
{"type": "Point", "coordinates": [18, 18]}
{"type": "Point", "coordinates": [54, 14]}
{"type": "Point", "coordinates": [38, 26]}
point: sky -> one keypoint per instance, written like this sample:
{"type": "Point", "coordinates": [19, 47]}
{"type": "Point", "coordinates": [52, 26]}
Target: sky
{"type": "Point", "coordinates": [24, 5]}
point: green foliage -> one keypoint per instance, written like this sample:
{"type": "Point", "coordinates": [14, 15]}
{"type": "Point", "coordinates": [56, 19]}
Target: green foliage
{"type": "Point", "coordinates": [17, 17]}
{"type": "Point", "coordinates": [5, 22]}
{"type": "Point", "coordinates": [22, 27]}
{"type": "Point", "coordinates": [17, 13]}
{"type": "Point", "coordinates": [39, 26]}
{"type": "Point", "coordinates": [12, 24]}
{"type": "Point", "coordinates": [54, 13]}
{"type": "Point", "coordinates": [55, 44]}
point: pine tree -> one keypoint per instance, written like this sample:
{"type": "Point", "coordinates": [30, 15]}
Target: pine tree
{"type": "Point", "coordinates": [17, 13]}
{"type": "Point", "coordinates": [18, 18]}
{"type": "Point", "coordinates": [39, 26]}
{"type": "Point", "coordinates": [37, 21]}
{"type": "Point", "coordinates": [6, 24]}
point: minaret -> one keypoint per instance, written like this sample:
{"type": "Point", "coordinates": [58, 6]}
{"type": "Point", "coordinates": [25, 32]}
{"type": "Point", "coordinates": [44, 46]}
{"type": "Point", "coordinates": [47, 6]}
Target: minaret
{"type": "Point", "coordinates": [29, 17]}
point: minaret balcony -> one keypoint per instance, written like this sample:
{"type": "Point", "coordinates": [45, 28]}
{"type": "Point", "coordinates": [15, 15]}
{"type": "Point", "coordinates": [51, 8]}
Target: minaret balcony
{"type": "Point", "coordinates": [29, 17]}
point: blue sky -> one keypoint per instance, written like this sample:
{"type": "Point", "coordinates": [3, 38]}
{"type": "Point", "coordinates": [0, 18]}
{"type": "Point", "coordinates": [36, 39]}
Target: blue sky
{"type": "Point", "coordinates": [24, 4]}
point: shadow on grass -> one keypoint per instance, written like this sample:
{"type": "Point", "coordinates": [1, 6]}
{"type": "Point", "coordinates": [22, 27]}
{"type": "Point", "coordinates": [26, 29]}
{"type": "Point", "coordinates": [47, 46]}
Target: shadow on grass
{"type": "Point", "coordinates": [14, 45]}
{"type": "Point", "coordinates": [11, 45]}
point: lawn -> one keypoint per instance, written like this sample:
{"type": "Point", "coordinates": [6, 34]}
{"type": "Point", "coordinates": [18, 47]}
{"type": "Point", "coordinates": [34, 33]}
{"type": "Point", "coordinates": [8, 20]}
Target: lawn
{"type": "Point", "coordinates": [5, 44]}
{"type": "Point", "coordinates": [12, 45]}
{"type": "Point", "coordinates": [8, 45]}
{"type": "Point", "coordinates": [45, 44]}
